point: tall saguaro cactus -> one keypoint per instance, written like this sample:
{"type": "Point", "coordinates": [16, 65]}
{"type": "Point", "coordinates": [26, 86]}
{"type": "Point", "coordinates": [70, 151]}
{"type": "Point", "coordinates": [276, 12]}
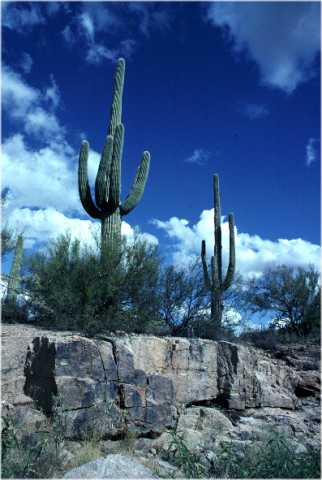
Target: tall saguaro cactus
{"type": "Point", "coordinates": [108, 206]}
{"type": "Point", "coordinates": [14, 277]}
{"type": "Point", "coordinates": [214, 282]}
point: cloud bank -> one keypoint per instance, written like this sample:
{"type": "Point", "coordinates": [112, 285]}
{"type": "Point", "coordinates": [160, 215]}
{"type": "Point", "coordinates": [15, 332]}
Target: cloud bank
{"type": "Point", "coordinates": [253, 253]}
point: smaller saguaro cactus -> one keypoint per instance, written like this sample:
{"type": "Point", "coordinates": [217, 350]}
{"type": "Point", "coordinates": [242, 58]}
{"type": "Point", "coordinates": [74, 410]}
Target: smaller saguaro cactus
{"type": "Point", "coordinates": [14, 277]}
{"type": "Point", "coordinates": [215, 282]}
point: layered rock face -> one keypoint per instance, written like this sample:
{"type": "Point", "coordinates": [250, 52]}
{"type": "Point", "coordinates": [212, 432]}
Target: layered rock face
{"type": "Point", "coordinates": [112, 385]}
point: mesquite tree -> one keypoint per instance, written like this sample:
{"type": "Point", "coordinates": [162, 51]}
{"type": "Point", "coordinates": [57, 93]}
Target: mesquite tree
{"type": "Point", "coordinates": [108, 206]}
{"type": "Point", "coordinates": [215, 282]}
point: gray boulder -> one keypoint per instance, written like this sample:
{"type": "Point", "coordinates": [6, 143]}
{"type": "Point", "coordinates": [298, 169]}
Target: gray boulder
{"type": "Point", "coordinates": [112, 466]}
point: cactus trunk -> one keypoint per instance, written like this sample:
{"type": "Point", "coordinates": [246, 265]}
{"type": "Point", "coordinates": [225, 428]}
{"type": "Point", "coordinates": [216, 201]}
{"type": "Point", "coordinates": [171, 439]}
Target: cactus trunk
{"type": "Point", "coordinates": [216, 310]}
{"type": "Point", "coordinates": [111, 233]}
{"type": "Point", "coordinates": [214, 283]}
{"type": "Point", "coordinates": [108, 206]}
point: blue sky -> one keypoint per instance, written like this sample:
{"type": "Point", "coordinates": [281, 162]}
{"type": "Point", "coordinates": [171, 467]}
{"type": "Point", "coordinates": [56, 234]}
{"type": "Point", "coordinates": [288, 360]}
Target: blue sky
{"type": "Point", "coordinates": [228, 88]}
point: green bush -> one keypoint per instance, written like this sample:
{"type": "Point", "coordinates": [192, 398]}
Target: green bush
{"type": "Point", "coordinates": [36, 455]}
{"type": "Point", "coordinates": [181, 456]}
{"type": "Point", "coordinates": [73, 287]}
{"type": "Point", "coordinates": [291, 294]}
{"type": "Point", "coordinates": [275, 456]}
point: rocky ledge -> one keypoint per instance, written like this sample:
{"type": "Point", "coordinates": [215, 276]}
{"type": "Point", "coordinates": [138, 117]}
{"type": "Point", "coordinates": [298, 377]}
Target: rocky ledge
{"type": "Point", "coordinates": [207, 391]}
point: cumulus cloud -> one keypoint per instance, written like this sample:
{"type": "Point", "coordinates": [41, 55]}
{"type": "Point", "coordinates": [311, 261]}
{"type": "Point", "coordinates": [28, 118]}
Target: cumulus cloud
{"type": "Point", "coordinates": [198, 157]}
{"type": "Point", "coordinates": [37, 177]}
{"type": "Point", "coordinates": [28, 106]}
{"type": "Point", "coordinates": [42, 226]}
{"type": "Point", "coordinates": [253, 111]}
{"type": "Point", "coordinates": [311, 151]}
{"type": "Point", "coordinates": [17, 96]}
{"type": "Point", "coordinates": [283, 38]}
{"type": "Point", "coordinates": [253, 253]}
{"type": "Point", "coordinates": [26, 62]}
{"type": "Point", "coordinates": [21, 17]}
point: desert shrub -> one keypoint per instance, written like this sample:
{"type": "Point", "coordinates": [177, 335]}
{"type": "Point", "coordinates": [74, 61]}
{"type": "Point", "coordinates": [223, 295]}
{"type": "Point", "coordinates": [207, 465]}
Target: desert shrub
{"type": "Point", "coordinates": [13, 312]}
{"type": "Point", "coordinates": [72, 287]}
{"type": "Point", "coordinates": [291, 294]}
{"type": "Point", "coordinates": [181, 456]}
{"type": "Point", "coordinates": [183, 299]}
{"type": "Point", "coordinates": [273, 457]}
{"type": "Point", "coordinates": [36, 455]}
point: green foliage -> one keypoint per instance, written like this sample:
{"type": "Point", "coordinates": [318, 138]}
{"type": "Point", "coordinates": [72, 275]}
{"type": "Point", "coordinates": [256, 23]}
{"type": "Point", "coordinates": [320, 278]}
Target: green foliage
{"type": "Point", "coordinates": [108, 207]}
{"type": "Point", "coordinates": [188, 462]}
{"type": "Point", "coordinates": [36, 455]}
{"type": "Point", "coordinates": [72, 287]}
{"type": "Point", "coordinates": [292, 294]}
{"type": "Point", "coordinates": [8, 240]}
{"type": "Point", "coordinates": [215, 282]}
{"type": "Point", "coordinates": [183, 299]}
{"type": "Point", "coordinates": [273, 457]}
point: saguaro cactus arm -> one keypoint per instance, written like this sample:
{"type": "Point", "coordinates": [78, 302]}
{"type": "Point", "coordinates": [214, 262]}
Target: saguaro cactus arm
{"type": "Point", "coordinates": [115, 175]}
{"type": "Point", "coordinates": [102, 184]}
{"type": "Point", "coordinates": [217, 232]}
{"type": "Point", "coordinates": [138, 185]}
{"type": "Point", "coordinates": [232, 258]}
{"type": "Point", "coordinates": [205, 266]}
{"type": "Point", "coordinates": [83, 185]}
{"type": "Point", "coordinates": [116, 109]}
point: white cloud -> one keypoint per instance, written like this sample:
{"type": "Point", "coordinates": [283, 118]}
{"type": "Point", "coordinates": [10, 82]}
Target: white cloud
{"type": "Point", "coordinates": [37, 177]}
{"type": "Point", "coordinates": [26, 62]}
{"type": "Point", "coordinates": [40, 122]}
{"type": "Point", "coordinates": [253, 111]}
{"type": "Point", "coordinates": [199, 157]}
{"type": "Point", "coordinates": [21, 17]}
{"type": "Point", "coordinates": [96, 53]}
{"type": "Point", "coordinates": [41, 226]}
{"type": "Point", "coordinates": [253, 254]}
{"type": "Point", "coordinates": [17, 96]}
{"type": "Point", "coordinates": [100, 17]}
{"type": "Point", "coordinates": [311, 151]}
{"type": "Point", "coordinates": [87, 26]}
{"type": "Point", "coordinates": [283, 38]}
{"type": "Point", "coordinates": [93, 20]}
{"type": "Point", "coordinates": [52, 93]}
{"type": "Point", "coordinates": [27, 105]}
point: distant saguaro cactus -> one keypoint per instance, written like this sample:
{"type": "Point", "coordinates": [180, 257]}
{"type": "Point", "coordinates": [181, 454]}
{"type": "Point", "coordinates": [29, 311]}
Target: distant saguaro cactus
{"type": "Point", "coordinates": [214, 282]}
{"type": "Point", "coordinates": [14, 277]}
{"type": "Point", "coordinates": [108, 206]}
